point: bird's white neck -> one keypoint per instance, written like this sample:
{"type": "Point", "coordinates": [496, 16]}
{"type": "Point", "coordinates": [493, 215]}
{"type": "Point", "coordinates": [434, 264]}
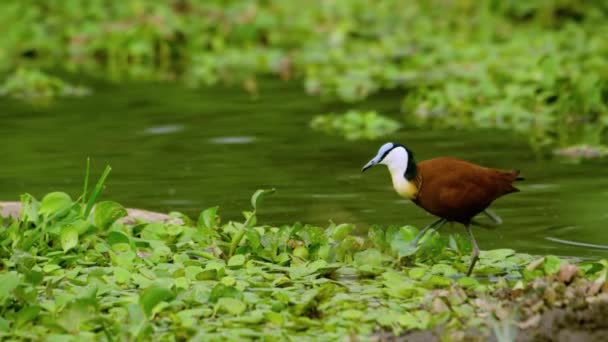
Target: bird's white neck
{"type": "Point", "coordinates": [397, 162]}
{"type": "Point", "coordinates": [401, 185]}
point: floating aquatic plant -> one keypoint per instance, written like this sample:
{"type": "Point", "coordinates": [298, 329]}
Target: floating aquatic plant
{"type": "Point", "coordinates": [34, 85]}
{"type": "Point", "coordinates": [72, 271]}
{"type": "Point", "coordinates": [356, 125]}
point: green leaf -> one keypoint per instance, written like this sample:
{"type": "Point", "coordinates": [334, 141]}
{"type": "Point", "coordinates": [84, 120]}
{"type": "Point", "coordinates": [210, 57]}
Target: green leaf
{"type": "Point", "coordinates": [258, 196]}
{"type": "Point", "coordinates": [253, 239]}
{"type": "Point", "coordinates": [399, 286]}
{"type": "Point", "coordinates": [418, 272]}
{"type": "Point", "coordinates": [377, 236]}
{"type": "Point", "coordinates": [369, 262]}
{"type": "Point", "coordinates": [444, 269]}
{"type": "Point", "coordinates": [116, 237]}
{"type": "Point", "coordinates": [4, 325]}
{"type": "Point", "coordinates": [301, 252]}
{"type": "Point", "coordinates": [228, 281]}
{"type": "Point", "coordinates": [326, 252]}
{"type": "Point", "coordinates": [231, 305]}
{"type": "Point", "coordinates": [154, 231]}
{"type": "Point", "coordinates": [50, 268]}
{"type": "Point", "coordinates": [552, 264]}
{"type": "Point", "coordinates": [250, 219]}
{"type": "Point", "coordinates": [341, 231]}
{"type": "Point", "coordinates": [34, 277]}
{"type": "Point", "coordinates": [208, 219]}
{"type": "Point", "coordinates": [82, 226]}
{"type": "Point", "coordinates": [221, 291]}
{"type": "Point", "coordinates": [354, 315]}
{"type": "Point", "coordinates": [30, 208]}
{"type": "Point", "coordinates": [460, 244]}
{"type": "Point", "coordinates": [369, 257]}
{"type": "Point", "coordinates": [152, 296]}
{"type": "Point", "coordinates": [319, 267]}
{"type": "Point", "coordinates": [69, 237]}
{"type": "Point", "coordinates": [401, 241]}
{"type": "Point", "coordinates": [438, 281]}
{"type": "Point", "coordinates": [107, 212]}
{"type": "Point", "coordinates": [26, 315]}
{"type": "Point", "coordinates": [347, 247]}
{"type": "Point", "coordinates": [8, 282]}
{"type": "Point", "coordinates": [121, 275]}
{"type": "Point", "coordinates": [55, 203]}
{"type": "Point", "coordinates": [237, 261]}
{"type": "Point", "coordinates": [591, 267]}
{"type": "Point", "coordinates": [468, 282]}
{"type": "Point", "coordinates": [410, 321]}
{"type": "Point", "coordinates": [431, 247]}
{"type": "Point", "coordinates": [192, 271]}
{"type": "Point", "coordinates": [497, 254]}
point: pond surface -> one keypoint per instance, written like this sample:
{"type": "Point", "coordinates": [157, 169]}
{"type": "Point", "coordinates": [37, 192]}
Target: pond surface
{"type": "Point", "coordinates": [173, 148]}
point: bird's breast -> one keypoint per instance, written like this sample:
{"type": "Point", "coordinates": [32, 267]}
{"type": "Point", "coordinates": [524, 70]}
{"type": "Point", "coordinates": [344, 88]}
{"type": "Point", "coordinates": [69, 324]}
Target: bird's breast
{"type": "Point", "coordinates": [404, 187]}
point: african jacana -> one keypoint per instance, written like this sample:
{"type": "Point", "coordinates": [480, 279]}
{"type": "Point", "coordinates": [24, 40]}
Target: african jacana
{"type": "Point", "coordinates": [453, 190]}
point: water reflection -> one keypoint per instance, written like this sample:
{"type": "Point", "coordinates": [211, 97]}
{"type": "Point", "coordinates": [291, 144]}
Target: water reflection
{"type": "Point", "coordinates": [231, 140]}
{"type": "Point", "coordinates": [166, 129]}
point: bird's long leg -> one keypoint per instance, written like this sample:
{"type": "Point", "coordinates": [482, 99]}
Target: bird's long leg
{"type": "Point", "coordinates": [496, 220]}
{"type": "Point", "coordinates": [438, 223]}
{"type": "Point", "coordinates": [492, 216]}
{"type": "Point", "coordinates": [475, 252]}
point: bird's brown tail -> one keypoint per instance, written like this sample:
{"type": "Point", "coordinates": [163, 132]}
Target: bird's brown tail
{"type": "Point", "coordinates": [510, 177]}
{"type": "Point", "coordinates": [517, 176]}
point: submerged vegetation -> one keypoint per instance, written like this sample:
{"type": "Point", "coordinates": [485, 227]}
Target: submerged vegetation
{"type": "Point", "coordinates": [71, 270]}
{"type": "Point", "coordinates": [539, 67]}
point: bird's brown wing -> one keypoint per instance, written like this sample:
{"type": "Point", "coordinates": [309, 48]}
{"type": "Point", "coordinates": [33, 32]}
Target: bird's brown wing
{"type": "Point", "coordinates": [458, 190]}
{"type": "Point", "coordinates": [466, 198]}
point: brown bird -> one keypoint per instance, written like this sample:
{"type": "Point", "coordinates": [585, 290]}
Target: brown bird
{"type": "Point", "coordinates": [452, 189]}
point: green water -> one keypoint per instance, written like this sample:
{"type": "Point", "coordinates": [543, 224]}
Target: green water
{"type": "Point", "coordinates": [173, 148]}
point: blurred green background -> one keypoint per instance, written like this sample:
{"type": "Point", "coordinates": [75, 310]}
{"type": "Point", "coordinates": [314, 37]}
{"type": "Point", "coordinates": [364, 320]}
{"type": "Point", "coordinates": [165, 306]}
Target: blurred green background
{"type": "Point", "coordinates": [538, 67]}
{"type": "Point", "coordinates": [200, 102]}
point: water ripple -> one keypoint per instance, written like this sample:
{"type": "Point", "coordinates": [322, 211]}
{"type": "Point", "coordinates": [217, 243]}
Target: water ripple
{"type": "Point", "coordinates": [166, 129]}
{"type": "Point", "coordinates": [575, 243]}
{"type": "Point", "coordinates": [232, 140]}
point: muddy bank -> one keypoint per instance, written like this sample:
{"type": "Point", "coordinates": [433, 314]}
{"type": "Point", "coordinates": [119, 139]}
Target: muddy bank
{"type": "Point", "coordinates": [553, 312]}
{"type": "Point", "coordinates": [589, 324]}
{"type": "Point", "coordinates": [13, 209]}
{"type": "Point", "coordinates": [564, 307]}
{"type": "Point", "coordinates": [566, 324]}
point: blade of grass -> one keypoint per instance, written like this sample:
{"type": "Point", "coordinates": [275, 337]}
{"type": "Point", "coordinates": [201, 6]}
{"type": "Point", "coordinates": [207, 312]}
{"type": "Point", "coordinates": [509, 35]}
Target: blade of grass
{"type": "Point", "coordinates": [234, 244]}
{"type": "Point", "coordinates": [97, 190]}
{"type": "Point", "coordinates": [86, 182]}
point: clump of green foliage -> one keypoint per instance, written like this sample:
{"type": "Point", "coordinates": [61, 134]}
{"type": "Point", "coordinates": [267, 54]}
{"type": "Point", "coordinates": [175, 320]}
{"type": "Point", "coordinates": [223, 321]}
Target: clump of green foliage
{"type": "Point", "coordinates": [535, 67]}
{"type": "Point", "coordinates": [72, 270]}
{"type": "Point", "coordinates": [35, 85]}
{"type": "Point", "coordinates": [356, 125]}
{"type": "Point", "coordinates": [582, 151]}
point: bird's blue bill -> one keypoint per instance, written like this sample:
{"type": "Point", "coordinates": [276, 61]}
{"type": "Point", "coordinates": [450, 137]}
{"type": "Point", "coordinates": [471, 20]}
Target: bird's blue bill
{"type": "Point", "coordinates": [370, 164]}
{"type": "Point", "coordinates": [384, 149]}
